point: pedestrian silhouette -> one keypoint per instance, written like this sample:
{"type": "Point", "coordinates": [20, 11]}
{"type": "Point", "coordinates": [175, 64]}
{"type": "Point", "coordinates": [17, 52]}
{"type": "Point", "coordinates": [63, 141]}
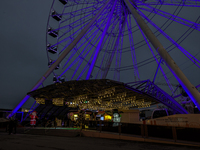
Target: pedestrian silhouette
{"type": "Point", "coordinates": [11, 125]}
{"type": "Point", "coordinates": [15, 122]}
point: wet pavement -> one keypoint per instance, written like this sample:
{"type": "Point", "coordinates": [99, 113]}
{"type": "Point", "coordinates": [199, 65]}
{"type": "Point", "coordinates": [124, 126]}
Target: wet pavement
{"type": "Point", "coordinates": [42, 142]}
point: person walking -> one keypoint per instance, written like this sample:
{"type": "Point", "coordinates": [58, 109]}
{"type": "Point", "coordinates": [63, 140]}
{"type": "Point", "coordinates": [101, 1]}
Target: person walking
{"type": "Point", "coordinates": [15, 122]}
{"type": "Point", "coordinates": [11, 125]}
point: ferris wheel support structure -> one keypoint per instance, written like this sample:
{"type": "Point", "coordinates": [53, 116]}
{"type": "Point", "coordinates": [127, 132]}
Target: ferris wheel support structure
{"type": "Point", "coordinates": [61, 57]}
{"type": "Point", "coordinates": [178, 74]}
{"type": "Point", "coordinates": [187, 86]}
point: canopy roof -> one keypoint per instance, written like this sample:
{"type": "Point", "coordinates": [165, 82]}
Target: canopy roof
{"type": "Point", "coordinates": [101, 93]}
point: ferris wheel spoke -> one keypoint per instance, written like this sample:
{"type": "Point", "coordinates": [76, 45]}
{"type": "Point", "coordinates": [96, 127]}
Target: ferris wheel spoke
{"type": "Point", "coordinates": [183, 80]}
{"type": "Point", "coordinates": [182, 69]}
{"type": "Point", "coordinates": [89, 47]}
{"type": "Point", "coordinates": [78, 15]}
{"type": "Point", "coordinates": [169, 48]}
{"type": "Point", "coordinates": [142, 43]}
{"type": "Point", "coordinates": [115, 47]}
{"type": "Point", "coordinates": [135, 26]}
{"type": "Point", "coordinates": [110, 30]}
{"type": "Point", "coordinates": [185, 3]}
{"type": "Point", "coordinates": [100, 42]}
{"type": "Point", "coordinates": [70, 57]}
{"type": "Point", "coordinates": [80, 12]}
{"type": "Point", "coordinates": [136, 73]}
{"type": "Point", "coordinates": [111, 39]}
{"type": "Point", "coordinates": [118, 49]}
{"type": "Point", "coordinates": [72, 25]}
{"type": "Point", "coordinates": [83, 71]}
{"type": "Point", "coordinates": [71, 46]}
{"type": "Point", "coordinates": [172, 17]}
{"type": "Point", "coordinates": [76, 49]}
{"type": "Point", "coordinates": [76, 32]}
{"type": "Point", "coordinates": [133, 52]}
{"type": "Point", "coordinates": [86, 1]}
{"type": "Point", "coordinates": [113, 28]}
{"type": "Point", "coordinates": [118, 57]}
{"type": "Point", "coordinates": [164, 27]}
{"type": "Point", "coordinates": [87, 66]}
{"type": "Point", "coordinates": [78, 58]}
{"type": "Point", "coordinates": [70, 38]}
{"type": "Point", "coordinates": [173, 42]}
{"type": "Point", "coordinates": [85, 39]}
{"type": "Point", "coordinates": [93, 35]}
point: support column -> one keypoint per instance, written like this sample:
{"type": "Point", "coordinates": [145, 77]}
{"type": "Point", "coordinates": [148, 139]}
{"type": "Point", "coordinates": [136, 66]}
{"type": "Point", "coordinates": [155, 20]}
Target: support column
{"type": "Point", "coordinates": [182, 79]}
{"type": "Point", "coordinates": [100, 43]}
{"type": "Point", "coordinates": [61, 57]}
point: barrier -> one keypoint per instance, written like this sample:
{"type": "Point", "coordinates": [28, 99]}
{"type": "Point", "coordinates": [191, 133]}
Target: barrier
{"type": "Point", "coordinates": [164, 133]}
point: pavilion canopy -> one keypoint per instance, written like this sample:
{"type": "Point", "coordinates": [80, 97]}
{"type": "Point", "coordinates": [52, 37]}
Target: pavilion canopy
{"type": "Point", "coordinates": [94, 94]}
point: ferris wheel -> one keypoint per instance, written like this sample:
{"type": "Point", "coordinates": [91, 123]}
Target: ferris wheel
{"type": "Point", "coordinates": [126, 41]}
{"type": "Point", "coordinates": [114, 46]}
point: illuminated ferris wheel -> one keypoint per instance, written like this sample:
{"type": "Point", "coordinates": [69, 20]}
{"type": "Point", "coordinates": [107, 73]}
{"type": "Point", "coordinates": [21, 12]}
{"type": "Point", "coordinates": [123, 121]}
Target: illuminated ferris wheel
{"type": "Point", "coordinates": [115, 45]}
{"type": "Point", "coordinates": [126, 41]}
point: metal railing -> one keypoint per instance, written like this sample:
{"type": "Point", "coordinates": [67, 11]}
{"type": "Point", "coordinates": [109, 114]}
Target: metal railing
{"type": "Point", "coordinates": [174, 133]}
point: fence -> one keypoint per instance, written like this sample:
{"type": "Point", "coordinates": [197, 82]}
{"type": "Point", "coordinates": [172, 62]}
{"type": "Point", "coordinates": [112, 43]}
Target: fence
{"type": "Point", "coordinates": [145, 131]}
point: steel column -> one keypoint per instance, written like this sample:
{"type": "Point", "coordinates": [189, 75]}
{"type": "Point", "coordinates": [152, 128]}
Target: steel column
{"type": "Point", "coordinates": [182, 79]}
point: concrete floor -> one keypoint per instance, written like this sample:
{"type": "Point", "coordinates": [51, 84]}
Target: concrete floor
{"type": "Point", "coordinates": [42, 142]}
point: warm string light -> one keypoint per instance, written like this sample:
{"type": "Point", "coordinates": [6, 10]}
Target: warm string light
{"type": "Point", "coordinates": [144, 105]}
{"type": "Point", "coordinates": [106, 93]}
{"type": "Point", "coordinates": [58, 101]}
{"type": "Point", "coordinates": [80, 97]}
{"type": "Point", "coordinates": [40, 100]}
{"type": "Point", "coordinates": [121, 100]}
{"type": "Point", "coordinates": [122, 103]}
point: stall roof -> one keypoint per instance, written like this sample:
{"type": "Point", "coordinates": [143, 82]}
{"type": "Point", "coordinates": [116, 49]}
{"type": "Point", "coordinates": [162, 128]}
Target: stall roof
{"type": "Point", "coordinates": [99, 89]}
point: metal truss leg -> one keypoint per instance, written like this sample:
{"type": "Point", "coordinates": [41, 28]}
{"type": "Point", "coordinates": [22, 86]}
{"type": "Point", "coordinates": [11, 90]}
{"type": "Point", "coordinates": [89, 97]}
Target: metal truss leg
{"type": "Point", "coordinates": [182, 79]}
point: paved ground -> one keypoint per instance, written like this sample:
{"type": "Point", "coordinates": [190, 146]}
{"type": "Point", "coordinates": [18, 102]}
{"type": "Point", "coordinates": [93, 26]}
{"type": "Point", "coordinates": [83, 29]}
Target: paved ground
{"type": "Point", "coordinates": [42, 142]}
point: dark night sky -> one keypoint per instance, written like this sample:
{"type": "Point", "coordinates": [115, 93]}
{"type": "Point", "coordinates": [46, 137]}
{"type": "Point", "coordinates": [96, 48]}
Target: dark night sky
{"type": "Point", "coordinates": [23, 56]}
{"type": "Point", "coordinates": [23, 48]}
